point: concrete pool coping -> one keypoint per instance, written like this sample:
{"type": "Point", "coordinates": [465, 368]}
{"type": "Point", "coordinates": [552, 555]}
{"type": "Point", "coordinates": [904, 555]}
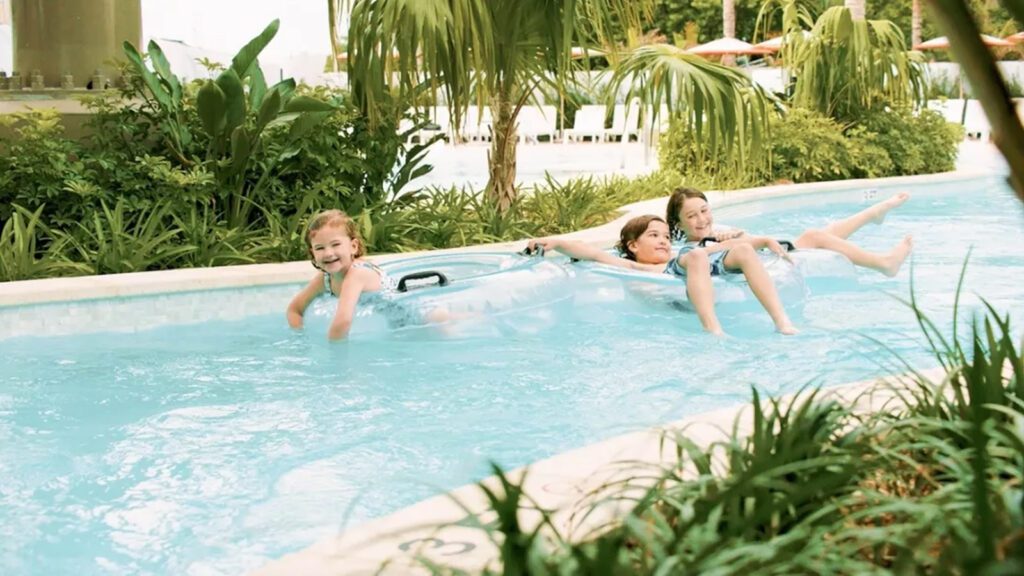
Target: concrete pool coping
{"type": "Point", "coordinates": [79, 288]}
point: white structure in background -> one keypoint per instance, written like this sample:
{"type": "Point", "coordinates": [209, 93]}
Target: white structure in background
{"type": "Point", "coordinates": [6, 38]}
{"type": "Point", "coordinates": [185, 62]}
{"type": "Point", "coordinates": [6, 50]}
{"type": "Point", "coordinates": [217, 30]}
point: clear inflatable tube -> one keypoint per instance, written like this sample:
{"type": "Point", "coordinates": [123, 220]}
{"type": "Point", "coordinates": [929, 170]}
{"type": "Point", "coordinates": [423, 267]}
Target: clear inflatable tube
{"type": "Point", "coordinates": [794, 279]}
{"type": "Point", "coordinates": [439, 289]}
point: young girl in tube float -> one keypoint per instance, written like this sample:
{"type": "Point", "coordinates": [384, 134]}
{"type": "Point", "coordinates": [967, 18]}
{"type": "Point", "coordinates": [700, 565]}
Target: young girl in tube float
{"type": "Point", "coordinates": [337, 251]}
{"type": "Point", "coordinates": [646, 244]}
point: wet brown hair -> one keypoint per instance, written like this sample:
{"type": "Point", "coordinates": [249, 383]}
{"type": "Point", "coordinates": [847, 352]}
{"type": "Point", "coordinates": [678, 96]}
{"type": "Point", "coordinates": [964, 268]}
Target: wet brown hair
{"type": "Point", "coordinates": [675, 206]}
{"type": "Point", "coordinates": [632, 230]}
{"type": "Point", "coordinates": [335, 218]}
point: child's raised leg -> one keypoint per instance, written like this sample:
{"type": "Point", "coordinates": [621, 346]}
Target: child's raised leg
{"type": "Point", "coordinates": [700, 291]}
{"type": "Point", "coordinates": [888, 264]}
{"type": "Point", "coordinates": [744, 257]}
{"type": "Point", "coordinates": [876, 213]}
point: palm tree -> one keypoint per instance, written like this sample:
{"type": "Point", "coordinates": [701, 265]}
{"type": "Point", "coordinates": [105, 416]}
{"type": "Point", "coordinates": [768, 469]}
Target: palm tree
{"type": "Point", "coordinates": [729, 25]}
{"type": "Point", "coordinates": [720, 107]}
{"type": "Point", "coordinates": [332, 26]}
{"type": "Point", "coordinates": [915, 22]}
{"type": "Point", "coordinates": [850, 65]}
{"type": "Point", "coordinates": [729, 18]}
{"type": "Point", "coordinates": [489, 53]}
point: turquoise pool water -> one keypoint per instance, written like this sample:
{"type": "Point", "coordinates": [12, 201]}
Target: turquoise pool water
{"type": "Point", "coordinates": [210, 448]}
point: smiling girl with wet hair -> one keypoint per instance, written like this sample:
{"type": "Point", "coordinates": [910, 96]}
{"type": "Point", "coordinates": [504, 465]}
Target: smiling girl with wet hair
{"type": "Point", "coordinates": [336, 249]}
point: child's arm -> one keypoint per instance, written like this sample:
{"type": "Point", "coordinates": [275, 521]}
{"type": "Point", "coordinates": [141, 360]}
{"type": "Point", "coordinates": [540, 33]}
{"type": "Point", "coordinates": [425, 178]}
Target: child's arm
{"type": "Point", "coordinates": [297, 307]}
{"type": "Point", "coordinates": [581, 251]}
{"type": "Point", "coordinates": [356, 280]}
{"type": "Point", "coordinates": [723, 234]}
{"type": "Point", "coordinates": [757, 242]}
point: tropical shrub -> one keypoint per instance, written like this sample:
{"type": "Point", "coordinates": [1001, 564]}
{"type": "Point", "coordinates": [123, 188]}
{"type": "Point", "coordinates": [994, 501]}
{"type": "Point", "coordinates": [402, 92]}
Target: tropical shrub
{"type": "Point", "coordinates": [37, 163]}
{"type": "Point", "coordinates": [809, 147]}
{"type": "Point", "coordinates": [213, 242]}
{"type": "Point", "coordinates": [22, 253]}
{"type": "Point", "coordinates": [847, 65]}
{"type": "Point", "coordinates": [234, 110]}
{"type": "Point", "coordinates": [916, 143]}
{"type": "Point", "coordinates": [236, 171]}
{"type": "Point", "coordinates": [653, 185]}
{"type": "Point", "coordinates": [577, 204]}
{"type": "Point", "coordinates": [114, 241]}
{"type": "Point", "coordinates": [684, 152]}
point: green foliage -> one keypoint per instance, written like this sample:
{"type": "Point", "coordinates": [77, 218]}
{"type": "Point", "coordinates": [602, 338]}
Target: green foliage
{"type": "Point", "coordinates": [684, 151]}
{"type": "Point", "coordinates": [809, 147]}
{"type": "Point", "coordinates": [718, 105]}
{"type": "Point", "coordinates": [445, 218]}
{"type": "Point", "coordinates": [848, 65]}
{"type": "Point", "coordinates": [236, 171]}
{"type": "Point", "coordinates": [21, 256]}
{"type": "Point", "coordinates": [806, 146]}
{"type": "Point", "coordinates": [916, 143]}
{"type": "Point", "coordinates": [213, 242]}
{"type": "Point", "coordinates": [654, 185]}
{"type": "Point", "coordinates": [113, 241]}
{"type": "Point", "coordinates": [943, 86]}
{"type": "Point", "coordinates": [671, 16]}
{"type": "Point", "coordinates": [992, 18]}
{"type": "Point", "coordinates": [575, 205]}
{"type": "Point", "coordinates": [233, 111]}
{"type": "Point", "coordinates": [36, 165]}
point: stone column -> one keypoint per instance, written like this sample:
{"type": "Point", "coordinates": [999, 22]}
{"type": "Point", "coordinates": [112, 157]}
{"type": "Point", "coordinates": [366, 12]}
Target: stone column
{"type": "Point", "coordinates": [76, 36]}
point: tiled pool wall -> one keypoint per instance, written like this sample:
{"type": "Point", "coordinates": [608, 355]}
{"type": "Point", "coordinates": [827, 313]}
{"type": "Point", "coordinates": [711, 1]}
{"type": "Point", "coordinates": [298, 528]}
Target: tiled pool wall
{"type": "Point", "coordinates": [138, 313]}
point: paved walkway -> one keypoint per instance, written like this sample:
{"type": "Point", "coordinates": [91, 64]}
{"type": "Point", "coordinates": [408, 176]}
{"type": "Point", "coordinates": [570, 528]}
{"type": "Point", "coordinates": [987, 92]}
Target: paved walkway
{"type": "Point", "coordinates": [467, 163]}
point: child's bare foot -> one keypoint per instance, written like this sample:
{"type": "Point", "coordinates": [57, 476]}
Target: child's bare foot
{"type": "Point", "coordinates": [787, 329]}
{"type": "Point", "coordinates": [883, 207]}
{"type": "Point", "coordinates": [897, 256]}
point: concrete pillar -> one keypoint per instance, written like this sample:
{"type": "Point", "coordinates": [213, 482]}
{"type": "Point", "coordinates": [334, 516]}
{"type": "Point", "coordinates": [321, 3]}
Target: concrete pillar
{"type": "Point", "coordinates": [76, 36]}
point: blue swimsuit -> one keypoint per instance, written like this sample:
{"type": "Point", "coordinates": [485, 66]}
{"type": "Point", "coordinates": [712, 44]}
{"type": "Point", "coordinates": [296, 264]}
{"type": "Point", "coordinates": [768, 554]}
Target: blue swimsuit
{"type": "Point", "coordinates": [383, 300]}
{"type": "Point", "coordinates": [716, 259]}
{"type": "Point", "coordinates": [387, 284]}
